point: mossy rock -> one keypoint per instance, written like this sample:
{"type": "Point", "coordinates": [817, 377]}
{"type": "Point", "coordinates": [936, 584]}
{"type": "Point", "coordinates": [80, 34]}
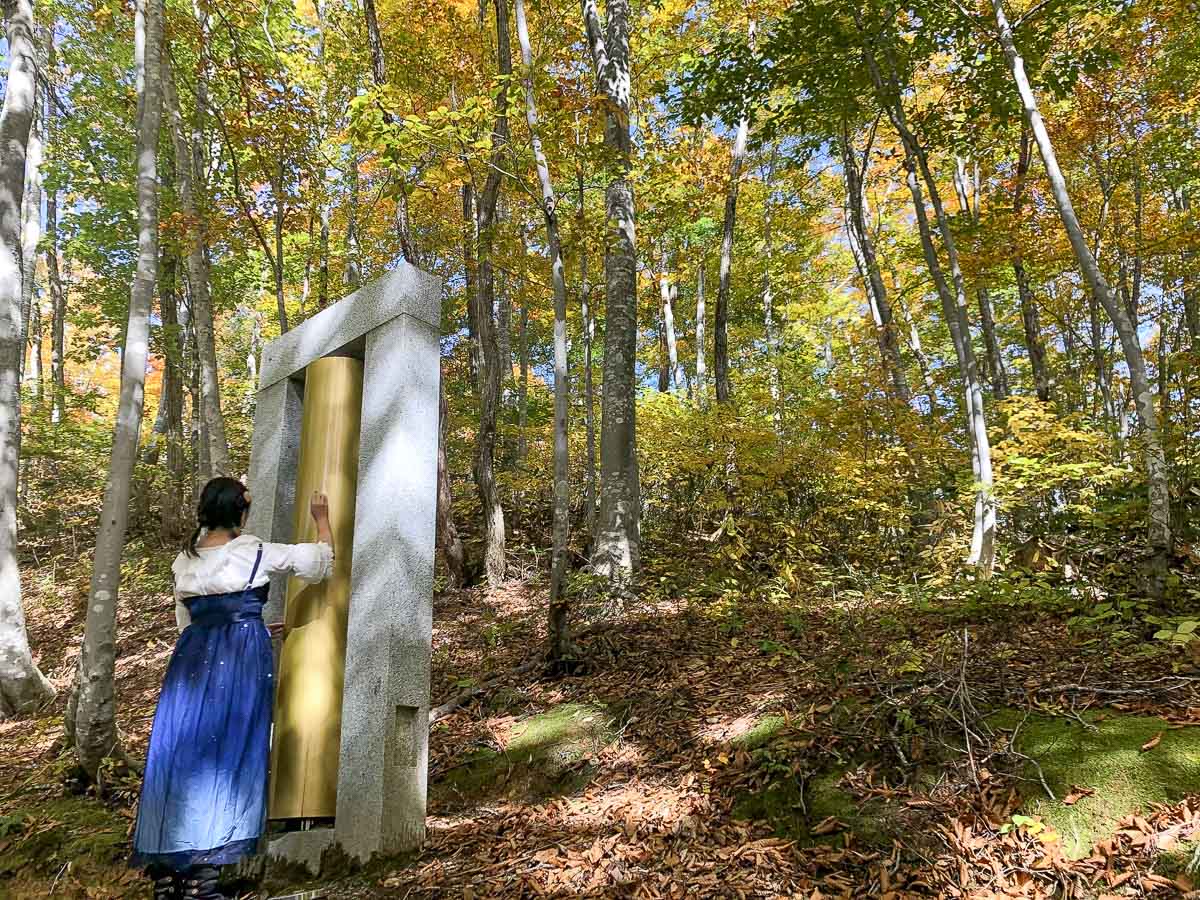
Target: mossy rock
{"type": "Point", "coordinates": [1108, 759]}
{"type": "Point", "coordinates": [545, 756]}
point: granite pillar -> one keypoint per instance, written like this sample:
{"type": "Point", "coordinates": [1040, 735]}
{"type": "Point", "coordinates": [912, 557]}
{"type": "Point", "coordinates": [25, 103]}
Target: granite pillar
{"type": "Point", "coordinates": [392, 324]}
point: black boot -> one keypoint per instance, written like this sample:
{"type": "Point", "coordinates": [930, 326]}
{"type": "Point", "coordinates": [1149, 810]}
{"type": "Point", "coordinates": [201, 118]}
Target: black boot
{"type": "Point", "coordinates": [166, 884]}
{"type": "Point", "coordinates": [200, 883]}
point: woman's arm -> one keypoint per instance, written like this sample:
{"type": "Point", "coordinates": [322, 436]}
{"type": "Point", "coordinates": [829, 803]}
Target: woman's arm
{"type": "Point", "coordinates": [318, 507]}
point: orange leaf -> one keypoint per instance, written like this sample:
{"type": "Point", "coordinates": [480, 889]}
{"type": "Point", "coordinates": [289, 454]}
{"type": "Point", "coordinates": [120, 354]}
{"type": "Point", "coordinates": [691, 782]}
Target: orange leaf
{"type": "Point", "coordinates": [1076, 794]}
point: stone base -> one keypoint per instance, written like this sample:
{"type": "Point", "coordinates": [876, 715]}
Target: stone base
{"type": "Point", "coordinates": [302, 848]}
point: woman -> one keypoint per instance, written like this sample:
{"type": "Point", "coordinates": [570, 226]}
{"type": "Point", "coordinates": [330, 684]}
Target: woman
{"type": "Point", "coordinates": [204, 795]}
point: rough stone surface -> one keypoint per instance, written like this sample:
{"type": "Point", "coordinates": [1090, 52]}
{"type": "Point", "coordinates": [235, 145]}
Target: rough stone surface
{"type": "Point", "coordinates": [274, 460]}
{"type": "Point", "coordinates": [393, 324]}
{"type": "Point", "coordinates": [402, 291]}
{"type": "Point", "coordinates": [385, 705]}
{"type": "Point", "coordinates": [303, 848]}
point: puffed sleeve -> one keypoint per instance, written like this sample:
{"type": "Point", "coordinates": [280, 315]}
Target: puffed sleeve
{"type": "Point", "coordinates": [308, 562]}
{"type": "Point", "coordinates": [183, 618]}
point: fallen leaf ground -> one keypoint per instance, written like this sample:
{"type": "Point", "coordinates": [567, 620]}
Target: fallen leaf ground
{"type": "Point", "coordinates": [890, 698]}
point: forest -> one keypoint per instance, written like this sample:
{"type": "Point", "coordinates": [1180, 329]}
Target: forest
{"type": "Point", "coordinates": [816, 452]}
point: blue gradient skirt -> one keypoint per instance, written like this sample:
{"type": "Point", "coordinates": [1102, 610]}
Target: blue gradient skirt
{"type": "Point", "coordinates": [204, 797]}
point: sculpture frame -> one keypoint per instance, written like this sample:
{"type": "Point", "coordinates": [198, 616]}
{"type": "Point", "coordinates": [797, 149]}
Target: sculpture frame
{"type": "Point", "coordinates": [392, 325]}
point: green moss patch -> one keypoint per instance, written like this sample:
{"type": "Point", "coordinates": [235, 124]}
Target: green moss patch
{"type": "Point", "coordinates": [1107, 759]}
{"type": "Point", "coordinates": [62, 830]}
{"type": "Point", "coordinates": [546, 755]}
{"type": "Point", "coordinates": [823, 809]}
{"type": "Point", "coordinates": [816, 808]}
{"type": "Point", "coordinates": [761, 733]}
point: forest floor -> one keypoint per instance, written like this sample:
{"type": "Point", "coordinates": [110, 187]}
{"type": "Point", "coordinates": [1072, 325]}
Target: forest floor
{"type": "Point", "coordinates": [877, 745]}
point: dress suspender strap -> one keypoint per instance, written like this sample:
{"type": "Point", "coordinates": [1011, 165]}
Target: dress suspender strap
{"type": "Point", "coordinates": [254, 571]}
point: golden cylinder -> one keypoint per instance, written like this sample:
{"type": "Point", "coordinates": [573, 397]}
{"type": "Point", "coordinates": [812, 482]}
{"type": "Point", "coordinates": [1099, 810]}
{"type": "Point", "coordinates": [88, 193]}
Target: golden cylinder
{"type": "Point", "coordinates": [308, 706]}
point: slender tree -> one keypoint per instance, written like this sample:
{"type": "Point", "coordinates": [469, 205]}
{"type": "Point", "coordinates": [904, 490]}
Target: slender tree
{"type": "Point", "coordinates": [667, 294]}
{"type": "Point", "coordinates": [22, 685]}
{"type": "Point", "coordinates": [588, 327]}
{"type": "Point", "coordinates": [966, 184]}
{"type": "Point", "coordinates": [447, 533]}
{"type": "Point", "coordinates": [886, 79]}
{"type": "Point", "coordinates": [863, 245]}
{"type": "Point", "coordinates": [487, 353]}
{"type": "Point", "coordinates": [558, 625]}
{"type": "Point", "coordinates": [1159, 528]}
{"type": "Point", "coordinates": [1034, 345]}
{"type": "Point", "coordinates": [701, 317]}
{"type": "Point", "coordinates": [721, 322]}
{"type": "Point", "coordinates": [31, 235]}
{"type": "Point", "coordinates": [92, 710]}
{"type": "Point", "coordinates": [58, 294]}
{"type": "Point", "coordinates": [199, 281]}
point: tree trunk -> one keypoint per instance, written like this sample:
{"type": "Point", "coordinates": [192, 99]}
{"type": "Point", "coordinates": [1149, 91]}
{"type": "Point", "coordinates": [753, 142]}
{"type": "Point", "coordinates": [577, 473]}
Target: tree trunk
{"type": "Point", "coordinates": [983, 538]}
{"type": "Point", "coordinates": [323, 275]}
{"type": "Point", "coordinates": [31, 234]}
{"type": "Point", "coordinates": [187, 171]}
{"type": "Point", "coordinates": [618, 543]}
{"type": "Point", "coordinates": [94, 704]}
{"type": "Point", "coordinates": [523, 386]}
{"type": "Point", "coordinates": [22, 685]}
{"type": "Point", "coordinates": [721, 325]}
{"type": "Point", "coordinates": [967, 187]}
{"type": "Point", "coordinates": [487, 352]}
{"type": "Point", "coordinates": [174, 498]}
{"type": "Point", "coordinates": [701, 316]}
{"type": "Point", "coordinates": [1159, 526]}
{"type": "Point", "coordinates": [447, 533]}
{"type": "Point", "coordinates": [58, 297]}
{"type": "Point", "coordinates": [1188, 280]}
{"type": "Point", "coordinates": [667, 294]}
{"type": "Point", "coordinates": [768, 295]}
{"type": "Point", "coordinates": [34, 330]}
{"type": "Point", "coordinates": [1029, 310]}
{"type": "Point", "coordinates": [863, 246]}
{"type": "Point", "coordinates": [352, 273]}
{"type": "Point", "coordinates": [280, 211]}
{"type": "Point", "coordinates": [589, 397]}
{"type": "Point", "coordinates": [504, 317]}
{"type": "Point", "coordinates": [954, 310]}
{"type": "Point", "coordinates": [558, 625]}
{"type": "Point", "coordinates": [375, 41]}
{"type": "Point", "coordinates": [918, 352]}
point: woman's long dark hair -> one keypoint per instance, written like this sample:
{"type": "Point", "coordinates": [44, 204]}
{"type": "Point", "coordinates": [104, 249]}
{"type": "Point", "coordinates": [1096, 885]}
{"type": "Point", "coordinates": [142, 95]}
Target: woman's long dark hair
{"type": "Point", "coordinates": [223, 502]}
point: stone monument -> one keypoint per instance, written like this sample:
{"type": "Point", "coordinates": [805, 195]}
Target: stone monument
{"type": "Point", "coordinates": [392, 326]}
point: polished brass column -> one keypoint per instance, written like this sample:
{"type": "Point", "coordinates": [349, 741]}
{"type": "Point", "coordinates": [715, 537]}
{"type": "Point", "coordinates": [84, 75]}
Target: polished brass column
{"type": "Point", "coordinates": [308, 710]}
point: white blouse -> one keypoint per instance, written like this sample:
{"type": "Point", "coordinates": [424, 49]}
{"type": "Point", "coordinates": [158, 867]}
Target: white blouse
{"type": "Point", "coordinates": [225, 569]}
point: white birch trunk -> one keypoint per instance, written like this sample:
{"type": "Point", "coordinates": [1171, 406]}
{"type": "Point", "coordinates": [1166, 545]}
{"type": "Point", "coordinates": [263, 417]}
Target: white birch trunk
{"type": "Point", "coordinates": [31, 234]}
{"type": "Point", "coordinates": [22, 685]}
{"type": "Point", "coordinates": [559, 610]}
{"type": "Point", "coordinates": [1159, 526]}
{"type": "Point", "coordinates": [94, 705]}
{"type": "Point", "coordinates": [667, 295]}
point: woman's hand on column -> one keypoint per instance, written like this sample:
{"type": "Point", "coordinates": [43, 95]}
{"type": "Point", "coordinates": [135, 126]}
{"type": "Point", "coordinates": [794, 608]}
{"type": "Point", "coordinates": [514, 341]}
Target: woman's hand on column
{"type": "Point", "coordinates": [319, 507]}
